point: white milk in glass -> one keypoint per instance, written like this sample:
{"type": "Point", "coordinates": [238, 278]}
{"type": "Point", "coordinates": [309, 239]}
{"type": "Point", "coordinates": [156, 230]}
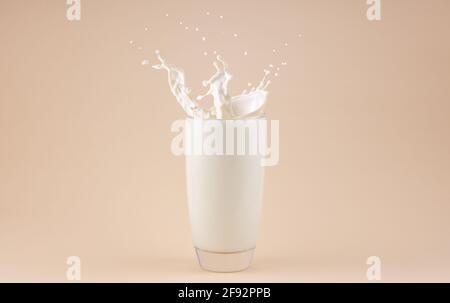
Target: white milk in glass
{"type": "Point", "coordinates": [225, 199]}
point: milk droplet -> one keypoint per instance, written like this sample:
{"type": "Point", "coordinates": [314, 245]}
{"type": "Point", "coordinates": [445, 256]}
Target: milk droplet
{"type": "Point", "coordinates": [278, 68]}
{"type": "Point", "coordinates": [286, 44]}
{"type": "Point", "coordinates": [249, 84]}
{"type": "Point", "coordinates": [245, 53]}
{"type": "Point", "coordinates": [145, 62]}
{"type": "Point", "coordinates": [131, 41]}
{"type": "Point", "coordinates": [221, 17]}
{"type": "Point", "coordinates": [140, 48]}
{"type": "Point", "coordinates": [235, 35]}
{"type": "Point", "coordinates": [271, 65]}
{"type": "Point", "coordinates": [299, 35]}
{"type": "Point", "coordinates": [181, 22]}
{"type": "Point", "coordinates": [274, 51]}
{"type": "Point", "coordinates": [146, 28]}
{"type": "Point", "coordinates": [208, 13]}
{"type": "Point", "coordinates": [276, 74]}
{"type": "Point", "coordinates": [205, 53]}
{"type": "Point", "coordinates": [203, 38]}
{"type": "Point", "coordinates": [167, 15]}
{"type": "Point", "coordinates": [186, 27]}
{"type": "Point", "coordinates": [215, 52]}
{"type": "Point", "coordinates": [157, 51]}
{"type": "Point", "coordinates": [284, 63]}
{"type": "Point", "coordinates": [196, 29]}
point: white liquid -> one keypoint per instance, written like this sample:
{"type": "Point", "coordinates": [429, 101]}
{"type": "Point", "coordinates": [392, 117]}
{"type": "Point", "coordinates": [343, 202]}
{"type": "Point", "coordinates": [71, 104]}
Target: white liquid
{"type": "Point", "coordinates": [225, 200]}
{"type": "Point", "coordinates": [224, 191]}
{"type": "Point", "coordinates": [179, 89]}
{"type": "Point", "coordinates": [245, 105]}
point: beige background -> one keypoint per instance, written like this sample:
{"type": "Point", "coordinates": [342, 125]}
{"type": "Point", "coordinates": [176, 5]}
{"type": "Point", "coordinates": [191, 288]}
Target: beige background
{"type": "Point", "coordinates": [85, 162]}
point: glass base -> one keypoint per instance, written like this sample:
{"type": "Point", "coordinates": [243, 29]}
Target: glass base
{"type": "Point", "coordinates": [224, 262]}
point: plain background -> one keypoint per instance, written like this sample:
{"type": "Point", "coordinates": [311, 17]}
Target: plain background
{"type": "Point", "coordinates": [85, 161]}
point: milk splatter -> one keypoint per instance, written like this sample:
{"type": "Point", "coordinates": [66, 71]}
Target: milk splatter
{"type": "Point", "coordinates": [245, 105]}
{"type": "Point", "coordinates": [218, 89]}
{"type": "Point", "coordinates": [179, 89]}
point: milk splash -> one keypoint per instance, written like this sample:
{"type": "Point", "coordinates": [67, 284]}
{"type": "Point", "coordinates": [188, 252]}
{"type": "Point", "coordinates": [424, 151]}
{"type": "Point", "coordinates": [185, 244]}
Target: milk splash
{"type": "Point", "coordinates": [245, 105]}
{"type": "Point", "coordinates": [179, 89]}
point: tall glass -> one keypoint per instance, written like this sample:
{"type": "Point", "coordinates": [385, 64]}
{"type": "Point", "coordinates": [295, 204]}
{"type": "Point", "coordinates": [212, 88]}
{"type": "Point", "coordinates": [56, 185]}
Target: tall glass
{"type": "Point", "coordinates": [224, 194]}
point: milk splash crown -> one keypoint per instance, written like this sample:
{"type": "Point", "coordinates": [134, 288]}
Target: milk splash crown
{"type": "Point", "coordinates": [246, 105]}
